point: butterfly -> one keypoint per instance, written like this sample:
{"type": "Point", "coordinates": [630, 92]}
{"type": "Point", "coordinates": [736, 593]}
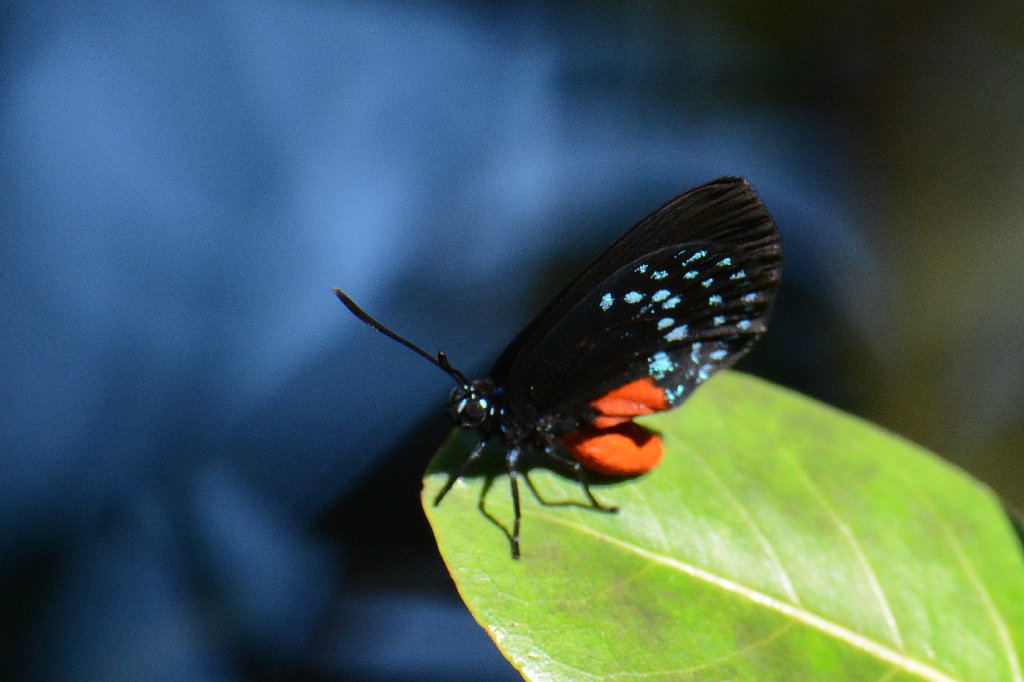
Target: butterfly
{"type": "Point", "coordinates": [681, 295]}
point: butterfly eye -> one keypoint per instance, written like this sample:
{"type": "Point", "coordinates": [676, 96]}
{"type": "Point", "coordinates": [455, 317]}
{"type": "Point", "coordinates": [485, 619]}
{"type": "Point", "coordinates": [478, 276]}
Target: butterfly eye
{"type": "Point", "coordinates": [467, 406]}
{"type": "Point", "coordinates": [475, 410]}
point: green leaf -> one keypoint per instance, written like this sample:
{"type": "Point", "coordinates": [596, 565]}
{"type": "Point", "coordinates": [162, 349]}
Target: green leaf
{"type": "Point", "coordinates": [779, 539]}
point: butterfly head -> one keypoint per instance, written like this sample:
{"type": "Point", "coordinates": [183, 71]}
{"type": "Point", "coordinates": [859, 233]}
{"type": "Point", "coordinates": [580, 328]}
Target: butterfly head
{"type": "Point", "coordinates": [473, 404]}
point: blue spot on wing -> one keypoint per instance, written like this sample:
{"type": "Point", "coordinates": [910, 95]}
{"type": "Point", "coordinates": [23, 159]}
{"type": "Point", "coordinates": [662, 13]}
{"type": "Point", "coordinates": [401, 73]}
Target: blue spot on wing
{"type": "Point", "coordinates": [633, 297]}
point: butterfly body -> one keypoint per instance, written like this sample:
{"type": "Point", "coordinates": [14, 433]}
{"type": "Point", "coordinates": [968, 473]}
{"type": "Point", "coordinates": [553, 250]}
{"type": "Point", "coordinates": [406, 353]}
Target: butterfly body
{"type": "Point", "coordinates": [682, 294]}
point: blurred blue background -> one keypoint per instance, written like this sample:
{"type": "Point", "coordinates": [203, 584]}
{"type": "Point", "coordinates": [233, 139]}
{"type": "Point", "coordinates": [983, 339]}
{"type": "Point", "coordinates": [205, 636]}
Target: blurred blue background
{"type": "Point", "coordinates": [211, 470]}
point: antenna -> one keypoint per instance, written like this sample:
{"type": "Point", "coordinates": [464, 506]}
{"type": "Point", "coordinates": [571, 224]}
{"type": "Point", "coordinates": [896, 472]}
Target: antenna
{"type": "Point", "coordinates": [441, 360]}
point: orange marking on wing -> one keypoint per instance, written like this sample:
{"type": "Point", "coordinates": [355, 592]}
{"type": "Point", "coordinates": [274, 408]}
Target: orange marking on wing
{"type": "Point", "coordinates": [631, 400]}
{"type": "Point", "coordinates": [626, 449]}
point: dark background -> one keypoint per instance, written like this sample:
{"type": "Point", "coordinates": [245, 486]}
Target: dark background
{"type": "Point", "coordinates": [210, 471]}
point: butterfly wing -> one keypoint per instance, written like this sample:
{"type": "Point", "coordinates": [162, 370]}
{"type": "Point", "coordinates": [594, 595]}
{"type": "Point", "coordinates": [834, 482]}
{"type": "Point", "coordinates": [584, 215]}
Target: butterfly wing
{"type": "Point", "coordinates": [682, 294]}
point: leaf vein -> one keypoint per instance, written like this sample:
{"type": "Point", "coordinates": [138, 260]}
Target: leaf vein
{"type": "Point", "coordinates": [1002, 630]}
{"type": "Point", "coordinates": [676, 672]}
{"type": "Point", "coordinates": [858, 550]}
{"type": "Point", "coordinates": [799, 614]}
{"type": "Point", "coordinates": [762, 539]}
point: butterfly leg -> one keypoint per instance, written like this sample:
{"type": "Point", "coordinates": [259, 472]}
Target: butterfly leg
{"type": "Point", "coordinates": [473, 456]}
{"type": "Point", "coordinates": [550, 449]}
{"type": "Point", "coordinates": [512, 462]}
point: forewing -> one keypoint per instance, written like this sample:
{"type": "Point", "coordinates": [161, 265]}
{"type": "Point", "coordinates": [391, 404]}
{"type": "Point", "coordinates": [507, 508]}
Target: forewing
{"type": "Point", "coordinates": [682, 294]}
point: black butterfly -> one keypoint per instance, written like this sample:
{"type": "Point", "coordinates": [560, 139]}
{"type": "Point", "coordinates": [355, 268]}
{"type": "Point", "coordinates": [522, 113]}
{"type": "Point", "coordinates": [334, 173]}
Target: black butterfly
{"type": "Point", "coordinates": [684, 293]}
